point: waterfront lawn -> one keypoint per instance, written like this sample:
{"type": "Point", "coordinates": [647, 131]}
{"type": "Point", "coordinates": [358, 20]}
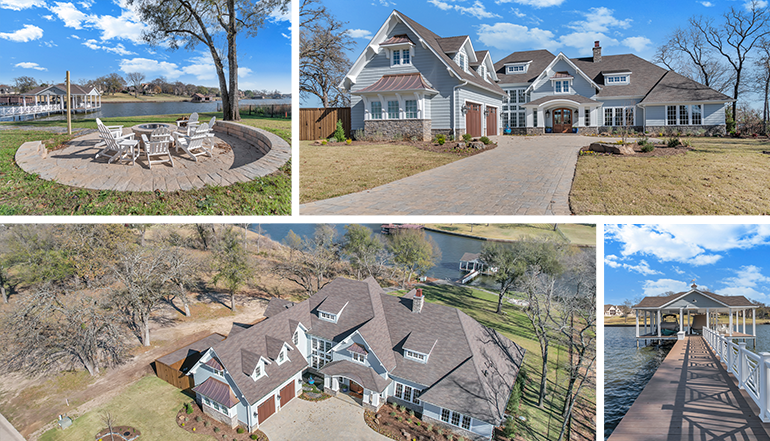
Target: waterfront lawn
{"type": "Point", "coordinates": [719, 176]}
{"type": "Point", "coordinates": [327, 171]}
{"type": "Point", "coordinates": [149, 405]}
{"type": "Point", "coordinates": [25, 194]}
{"type": "Point", "coordinates": [576, 234]}
{"type": "Point", "coordinates": [543, 423]}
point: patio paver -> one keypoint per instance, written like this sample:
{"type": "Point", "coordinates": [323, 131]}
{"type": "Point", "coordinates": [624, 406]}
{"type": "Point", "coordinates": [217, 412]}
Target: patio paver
{"type": "Point", "coordinates": [523, 175]}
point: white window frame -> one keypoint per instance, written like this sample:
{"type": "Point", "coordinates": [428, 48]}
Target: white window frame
{"type": "Point", "coordinates": [677, 109]}
{"type": "Point", "coordinates": [619, 113]}
{"type": "Point", "coordinates": [462, 61]}
{"type": "Point", "coordinates": [562, 84]}
{"type": "Point", "coordinates": [416, 109]}
{"type": "Point", "coordinates": [398, 109]}
{"type": "Point", "coordinates": [320, 352]}
{"type": "Point", "coordinates": [450, 416]}
{"type": "Point", "coordinates": [372, 113]}
{"type": "Point", "coordinates": [329, 317]}
{"type": "Point", "coordinates": [295, 338]}
{"type": "Point", "coordinates": [617, 79]}
{"type": "Point", "coordinates": [407, 393]}
{"type": "Point", "coordinates": [259, 371]}
{"type": "Point", "coordinates": [517, 68]}
{"type": "Point", "coordinates": [513, 111]}
{"type": "Point", "coordinates": [282, 357]}
{"type": "Point", "coordinates": [399, 52]}
{"type": "Point", "coordinates": [416, 356]}
{"type": "Point", "coordinates": [361, 358]}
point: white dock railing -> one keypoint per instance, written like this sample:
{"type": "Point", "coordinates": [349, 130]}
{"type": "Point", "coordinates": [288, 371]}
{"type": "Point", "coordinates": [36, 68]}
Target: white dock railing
{"type": "Point", "coordinates": [752, 370]}
{"type": "Point", "coordinates": [28, 110]}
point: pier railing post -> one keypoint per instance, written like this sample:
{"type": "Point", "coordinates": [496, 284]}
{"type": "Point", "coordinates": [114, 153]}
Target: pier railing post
{"type": "Point", "coordinates": [764, 387]}
{"type": "Point", "coordinates": [742, 365]}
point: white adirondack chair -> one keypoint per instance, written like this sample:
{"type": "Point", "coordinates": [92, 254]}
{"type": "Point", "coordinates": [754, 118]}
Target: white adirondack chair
{"type": "Point", "coordinates": [116, 149]}
{"type": "Point", "coordinates": [190, 124]}
{"type": "Point", "coordinates": [158, 146]}
{"type": "Point", "coordinates": [194, 144]}
{"type": "Point", "coordinates": [210, 132]}
{"type": "Point", "coordinates": [115, 131]}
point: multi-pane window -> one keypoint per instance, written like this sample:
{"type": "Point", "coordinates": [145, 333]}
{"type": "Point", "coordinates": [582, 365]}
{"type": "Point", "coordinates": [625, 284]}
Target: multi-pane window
{"type": "Point", "coordinates": [407, 393]}
{"type": "Point", "coordinates": [587, 117]}
{"type": "Point", "coordinates": [257, 371]}
{"type": "Point", "coordinates": [684, 115]}
{"type": "Point", "coordinates": [619, 116]}
{"type": "Point", "coordinates": [320, 352]}
{"type": "Point", "coordinates": [326, 316]}
{"type": "Point", "coordinates": [445, 413]}
{"type": "Point", "coordinates": [396, 57]}
{"type": "Point", "coordinates": [671, 115]}
{"type": "Point", "coordinates": [466, 422]}
{"type": "Point", "coordinates": [696, 114]}
{"type": "Point", "coordinates": [629, 116]}
{"type": "Point", "coordinates": [361, 358]}
{"type": "Point", "coordinates": [517, 69]}
{"type": "Point", "coordinates": [392, 109]}
{"type": "Point", "coordinates": [608, 116]}
{"type": "Point", "coordinates": [561, 86]}
{"type": "Point", "coordinates": [295, 339]}
{"type": "Point", "coordinates": [462, 61]}
{"type": "Point", "coordinates": [616, 79]}
{"type": "Point", "coordinates": [376, 110]}
{"type": "Point", "coordinates": [414, 355]}
{"type": "Point", "coordinates": [405, 59]}
{"type": "Point", "coordinates": [513, 113]}
{"type": "Point", "coordinates": [410, 107]}
{"type": "Point", "coordinates": [456, 419]}
{"type": "Point", "coordinates": [281, 357]}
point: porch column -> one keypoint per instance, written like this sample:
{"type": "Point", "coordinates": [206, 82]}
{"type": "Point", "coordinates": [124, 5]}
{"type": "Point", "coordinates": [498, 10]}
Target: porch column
{"type": "Point", "coordinates": [657, 322]}
{"type": "Point", "coordinates": [581, 116]}
{"type": "Point", "coordinates": [529, 117]}
{"type": "Point", "coordinates": [731, 322]}
{"type": "Point", "coordinates": [689, 322]}
{"type": "Point", "coordinates": [637, 323]}
{"type": "Point", "coordinates": [754, 323]}
{"type": "Point", "coordinates": [375, 398]}
{"type": "Point", "coordinates": [540, 118]}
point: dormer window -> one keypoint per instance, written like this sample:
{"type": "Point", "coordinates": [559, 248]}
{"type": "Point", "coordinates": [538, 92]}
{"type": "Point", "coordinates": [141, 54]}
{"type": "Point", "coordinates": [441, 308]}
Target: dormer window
{"type": "Point", "coordinates": [416, 356]}
{"type": "Point", "coordinates": [561, 86]}
{"type": "Point", "coordinates": [617, 79]}
{"type": "Point", "coordinates": [282, 356]}
{"type": "Point", "coordinates": [361, 358]}
{"type": "Point", "coordinates": [295, 339]}
{"type": "Point", "coordinates": [258, 371]}
{"type": "Point", "coordinates": [400, 49]}
{"type": "Point", "coordinates": [462, 61]}
{"type": "Point", "coordinates": [328, 317]}
{"type": "Point", "coordinates": [331, 309]}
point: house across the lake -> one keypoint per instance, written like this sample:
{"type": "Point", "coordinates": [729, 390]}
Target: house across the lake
{"type": "Point", "coordinates": [410, 81]}
{"type": "Point", "coordinates": [373, 346]}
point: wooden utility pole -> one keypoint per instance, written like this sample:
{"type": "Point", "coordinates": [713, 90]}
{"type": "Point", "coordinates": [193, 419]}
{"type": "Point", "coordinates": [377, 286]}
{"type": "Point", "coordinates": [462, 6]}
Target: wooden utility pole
{"type": "Point", "coordinates": [69, 106]}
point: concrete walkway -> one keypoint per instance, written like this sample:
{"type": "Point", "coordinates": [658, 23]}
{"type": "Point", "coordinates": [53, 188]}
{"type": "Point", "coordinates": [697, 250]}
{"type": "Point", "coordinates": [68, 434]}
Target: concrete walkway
{"type": "Point", "coordinates": [690, 397]}
{"type": "Point", "coordinates": [523, 175]}
{"type": "Point", "coordinates": [8, 432]}
{"type": "Point", "coordinates": [334, 419]}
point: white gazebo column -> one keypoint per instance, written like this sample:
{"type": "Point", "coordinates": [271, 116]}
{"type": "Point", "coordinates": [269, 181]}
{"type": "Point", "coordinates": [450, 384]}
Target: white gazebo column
{"type": "Point", "coordinates": [754, 323]}
{"type": "Point", "coordinates": [680, 334]}
{"type": "Point", "coordinates": [731, 322]}
{"type": "Point", "coordinates": [657, 322]}
{"type": "Point", "coordinates": [637, 323]}
{"type": "Point", "coordinates": [743, 314]}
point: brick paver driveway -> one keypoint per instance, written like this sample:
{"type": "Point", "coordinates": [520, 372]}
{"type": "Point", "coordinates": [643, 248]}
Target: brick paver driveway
{"type": "Point", "coordinates": [523, 175]}
{"type": "Point", "coordinates": [334, 419]}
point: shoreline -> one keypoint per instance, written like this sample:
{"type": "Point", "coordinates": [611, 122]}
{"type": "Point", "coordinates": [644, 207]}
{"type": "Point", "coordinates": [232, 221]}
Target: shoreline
{"type": "Point", "coordinates": [490, 239]}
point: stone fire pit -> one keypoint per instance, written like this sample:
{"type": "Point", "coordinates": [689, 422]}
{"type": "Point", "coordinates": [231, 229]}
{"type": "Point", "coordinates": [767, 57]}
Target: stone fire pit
{"type": "Point", "coordinates": [147, 129]}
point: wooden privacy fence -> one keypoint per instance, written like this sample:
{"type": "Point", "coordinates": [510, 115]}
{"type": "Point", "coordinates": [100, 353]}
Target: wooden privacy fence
{"type": "Point", "coordinates": [320, 123]}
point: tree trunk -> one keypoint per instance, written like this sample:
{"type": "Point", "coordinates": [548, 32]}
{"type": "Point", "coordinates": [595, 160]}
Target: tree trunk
{"type": "Point", "coordinates": [185, 300]}
{"type": "Point", "coordinates": [544, 379]}
{"type": "Point", "coordinates": [145, 329]}
{"type": "Point", "coordinates": [232, 301]}
{"type": "Point", "coordinates": [4, 293]}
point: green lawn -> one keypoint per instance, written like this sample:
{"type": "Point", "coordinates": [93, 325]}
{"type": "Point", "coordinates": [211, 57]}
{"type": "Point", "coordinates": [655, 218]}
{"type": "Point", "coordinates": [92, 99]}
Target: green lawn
{"type": "Point", "coordinates": [545, 423]}
{"type": "Point", "coordinates": [25, 194]}
{"type": "Point", "coordinates": [149, 405]}
{"type": "Point", "coordinates": [720, 176]}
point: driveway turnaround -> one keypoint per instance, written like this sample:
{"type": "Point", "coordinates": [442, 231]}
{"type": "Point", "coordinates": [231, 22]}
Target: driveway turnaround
{"type": "Point", "coordinates": [334, 419]}
{"type": "Point", "coordinates": [523, 175]}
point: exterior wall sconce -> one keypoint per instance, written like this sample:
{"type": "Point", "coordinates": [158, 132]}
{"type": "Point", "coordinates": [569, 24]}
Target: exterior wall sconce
{"type": "Point", "coordinates": [547, 113]}
{"type": "Point", "coordinates": [486, 111]}
{"type": "Point", "coordinates": [464, 109]}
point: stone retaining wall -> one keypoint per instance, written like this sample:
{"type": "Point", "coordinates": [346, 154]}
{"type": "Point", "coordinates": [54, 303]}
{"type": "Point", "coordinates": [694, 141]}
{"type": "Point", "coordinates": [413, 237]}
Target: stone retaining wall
{"type": "Point", "coordinates": [262, 140]}
{"type": "Point", "coordinates": [391, 128]}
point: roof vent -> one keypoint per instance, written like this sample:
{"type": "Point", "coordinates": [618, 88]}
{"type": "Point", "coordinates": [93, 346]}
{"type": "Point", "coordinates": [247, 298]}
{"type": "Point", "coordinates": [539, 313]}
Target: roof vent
{"type": "Point", "coordinates": [597, 52]}
{"type": "Point", "coordinates": [417, 301]}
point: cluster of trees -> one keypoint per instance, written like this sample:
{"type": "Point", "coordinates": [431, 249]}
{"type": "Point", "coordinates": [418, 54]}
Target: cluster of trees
{"type": "Point", "coordinates": [559, 288]}
{"type": "Point", "coordinates": [730, 53]}
{"type": "Point", "coordinates": [114, 83]}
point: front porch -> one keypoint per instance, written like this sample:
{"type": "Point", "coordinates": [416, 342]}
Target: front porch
{"type": "Point", "coordinates": [359, 382]}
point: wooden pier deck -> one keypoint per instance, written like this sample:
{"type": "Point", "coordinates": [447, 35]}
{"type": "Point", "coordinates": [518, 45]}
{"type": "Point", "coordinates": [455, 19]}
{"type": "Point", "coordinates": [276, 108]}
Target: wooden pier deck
{"type": "Point", "coordinates": [691, 397]}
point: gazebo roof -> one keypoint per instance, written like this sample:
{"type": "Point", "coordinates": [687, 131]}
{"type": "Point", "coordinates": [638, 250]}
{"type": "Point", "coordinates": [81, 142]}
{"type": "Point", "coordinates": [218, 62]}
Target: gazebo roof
{"type": "Point", "coordinates": [664, 302]}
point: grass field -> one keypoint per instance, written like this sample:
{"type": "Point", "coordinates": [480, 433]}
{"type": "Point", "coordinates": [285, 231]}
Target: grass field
{"type": "Point", "coordinates": [544, 423]}
{"type": "Point", "coordinates": [577, 234]}
{"type": "Point", "coordinates": [335, 170]}
{"type": "Point", "coordinates": [25, 194]}
{"type": "Point", "coordinates": [720, 176]}
{"type": "Point", "coordinates": [149, 405]}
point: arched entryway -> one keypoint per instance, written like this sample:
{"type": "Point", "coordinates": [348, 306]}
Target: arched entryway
{"type": "Point", "coordinates": [562, 120]}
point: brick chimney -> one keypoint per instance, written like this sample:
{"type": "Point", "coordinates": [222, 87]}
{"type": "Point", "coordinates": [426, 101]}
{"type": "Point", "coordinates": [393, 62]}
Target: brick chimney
{"type": "Point", "coordinates": [597, 52]}
{"type": "Point", "coordinates": [417, 301]}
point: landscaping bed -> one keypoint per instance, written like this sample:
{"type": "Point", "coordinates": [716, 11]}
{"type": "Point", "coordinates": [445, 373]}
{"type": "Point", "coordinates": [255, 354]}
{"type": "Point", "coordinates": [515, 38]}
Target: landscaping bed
{"type": "Point", "coordinates": [199, 422]}
{"type": "Point", "coordinates": [400, 424]}
{"type": "Point", "coordinates": [310, 392]}
{"type": "Point", "coordinates": [659, 150]}
{"type": "Point", "coordinates": [119, 433]}
{"type": "Point", "coordinates": [450, 147]}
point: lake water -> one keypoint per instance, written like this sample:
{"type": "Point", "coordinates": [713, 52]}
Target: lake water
{"type": "Point", "coordinates": [110, 110]}
{"type": "Point", "coordinates": [628, 369]}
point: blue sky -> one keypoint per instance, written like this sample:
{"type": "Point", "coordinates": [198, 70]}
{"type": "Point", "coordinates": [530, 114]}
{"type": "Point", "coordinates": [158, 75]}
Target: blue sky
{"type": "Point", "coordinates": [644, 260]}
{"type": "Point", "coordinates": [505, 26]}
{"type": "Point", "coordinates": [45, 38]}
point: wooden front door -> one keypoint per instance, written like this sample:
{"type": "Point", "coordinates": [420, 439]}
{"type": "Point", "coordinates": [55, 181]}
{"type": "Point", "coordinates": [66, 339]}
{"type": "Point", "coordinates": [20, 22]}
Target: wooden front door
{"type": "Point", "coordinates": [356, 390]}
{"type": "Point", "coordinates": [266, 409]}
{"type": "Point", "coordinates": [562, 120]}
{"type": "Point", "coordinates": [287, 393]}
{"type": "Point", "coordinates": [473, 119]}
{"type": "Point", "coordinates": [491, 121]}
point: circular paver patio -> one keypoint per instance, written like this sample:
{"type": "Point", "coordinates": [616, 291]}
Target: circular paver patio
{"type": "Point", "coordinates": [235, 159]}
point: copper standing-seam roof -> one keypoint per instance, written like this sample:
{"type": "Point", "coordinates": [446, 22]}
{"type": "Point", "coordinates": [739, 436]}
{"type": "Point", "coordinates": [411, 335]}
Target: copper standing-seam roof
{"type": "Point", "coordinates": [656, 302]}
{"type": "Point", "coordinates": [397, 39]}
{"type": "Point", "coordinates": [217, 391]}
{"type": "Point", "coordinates": [562, 75]}
{"type": "Point", "coordinates": [214, 363]}
{"type": "Point", "coordinates": [358, 349]}
{"type": "Point", "coordinates": [398, 83]}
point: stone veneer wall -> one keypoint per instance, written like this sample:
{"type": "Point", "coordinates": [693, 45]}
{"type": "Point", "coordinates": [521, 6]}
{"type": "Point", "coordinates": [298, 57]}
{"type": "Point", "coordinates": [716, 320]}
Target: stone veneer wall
{"type": "Point", "coordinates": [716, 130]}
{"type": "Point", "coordinates": [391, 128]}
{"type": "Point", "coordinates": [219, 416]}
{"type": "Point", "coordinates": [464, 433]}
{"type": "Point", "coordinates": [610, 129]}
{"type": "Point", "coordinates": [266, 142]}
{"type": "Point", "coordinates": [445, 132]}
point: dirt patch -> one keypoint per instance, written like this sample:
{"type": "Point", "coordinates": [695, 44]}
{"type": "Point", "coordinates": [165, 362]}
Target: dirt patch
{"type": "Point", "coordinates": [119, 433]}
{"type": "Point", "coordinates": [449, 147]}
{"type": "Point", "coordinates": [200, 423]}
{"type": "Point", "coordinates": [660, 150]}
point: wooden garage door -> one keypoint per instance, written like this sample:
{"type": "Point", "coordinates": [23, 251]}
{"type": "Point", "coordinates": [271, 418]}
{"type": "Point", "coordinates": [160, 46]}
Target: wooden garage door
{"type": "Point", "coordinates": [473, 119]}
{"type": "Point", "coordinates": [266, 409]}
{"type": "Point", "coordinates": [287, 393]}
{"type": "Point", "coordinates": [491, 121]}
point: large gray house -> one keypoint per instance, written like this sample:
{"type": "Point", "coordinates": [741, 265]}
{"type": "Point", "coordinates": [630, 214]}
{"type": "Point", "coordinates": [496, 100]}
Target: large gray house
{"type": "Point", "coordinates": [374, 346]}
{"type": "Point", "coordinates": [409, 81]}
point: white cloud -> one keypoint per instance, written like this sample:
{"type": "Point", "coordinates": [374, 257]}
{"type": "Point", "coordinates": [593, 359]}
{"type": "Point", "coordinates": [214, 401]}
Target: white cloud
{"type": "Point", "coordinates": [50, 43]}
{"type": "Point", "coordinates": [28, 65]}
{"type": "Point", "coordinates": [244, 72]}
{"type": "Point", "coordinates": [661, 286]}
{"type": "Point", "coordinates": [278, 16]}
{"type": "Point", "coordinates": [75, 37]}
{"type": "Point", "coordinates": [86, 4]}
{"type": "Point", "coordinates": [677, 270]}
{"type": "Point", "coordinates": [583, 42]}
{"type": "Point", "coordinates": [509, 36]}
{"type": "Point", "coordinates": [69, 14]}
{"type": "Point", "coordinates": [642, 268]}
{"type": "Point", "coordinates": [48, 17]}
{"type": "Point", "coordinates": [599, 20]}
{"type": "Point", "coordinates": [537, 4]}
{"type": "Point", "coordinates": [637, 43]}
{"type": "Point", "coordinates": [359, 33]}
{"type": "Point", "coordinates": [18, 5]}
{"type": "Point", "coordinates": [759, 4]}
{"type": "Point", "coordinates": [28, 33]}
{"type": "Point", "coordinates": [118, 49]}
{"type": "Point", "coordinates": [151, 67]}
{"type": "Point", "coordinates": [518, 13]}
{"type": "Point", "coordinates": [707, 4]}
{"type": "Point", "coordinates": [125, 27]}
{"type": "Point", "coordinates": [745, 282]}
{"type": "Point", "coordinates": [477, 10]}
{"type": "Point", "coordinates": [385, 3]}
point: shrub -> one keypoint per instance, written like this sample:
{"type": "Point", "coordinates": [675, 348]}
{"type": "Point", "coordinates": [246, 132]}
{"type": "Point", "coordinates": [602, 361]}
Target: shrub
{"type": "Point", "coordinates": [672, 142]}
{"type": "Point", "coordinates": [393, 414]}
{"type": "Point", "coordinates": [643, 140]}
{"type": "Point", "coordinates": [509, 430]}
{"type": "Point", "coordinates": [324, 142]}
{"type": "Point", "coordinates": [451, 138]}
{"type": "Point", "coordinates": [216, 429]}
{"type": "Point", "coordinates": [409, 420]}
{"type": "Point", "coordinates": [686, 143]}
{"type": "Point", "coordinates": [418, 422]}
{"type": "Point", "coordinates": [253, 436]}
{"type": "Point", "coordinates": [440, 139]}
{"type": "Point", "coordinates": [240, 430]}
{"type": "Point", "coordinates": [339, 134]}
{"type": "Point", "coordinates": [450, 436]}
{"type": "Point", "coordinates": [429, 427]}
{"type": "Point", "coordinates": [411, 412]}
{"type": "Point", "coordinates": [358, 134]}
{"type": "Point", "coordinates": [189, 407]}
{"type": "Point", "coordinates": [467, 137]}
{"type": "Point", "coordinates": [485, 140]}
{"type": "Point", "coordinates": [400, 418]}
{"type": "Point", "coordinates": [198, 418]}
{"type": "Point", "coordinates": [206, 423]}
{"type": "Point", "coordinates": [648, 147]}
{"type": "Point", "coordinates": [440, 431]}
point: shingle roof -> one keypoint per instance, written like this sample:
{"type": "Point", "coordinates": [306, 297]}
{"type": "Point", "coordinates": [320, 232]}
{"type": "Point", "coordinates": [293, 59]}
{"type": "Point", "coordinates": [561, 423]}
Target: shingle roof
{"type": "Point", "coordinates": [644, 75]}
{"type": "Point", "coordinates": [675, 88]}
{"type": "Point", "coordinates": [217, 391]}
{"type": "Point", "coordinates": [539, 58]}
{"type": "Point", "coordinates": [193, 349]}
{"type": "Point", "coordinates": [213, 362]}
{"type": "Point", "coordinates": [419, 342]}
{"type": "Point", "coordinates": [358, 349]}
{"type": "Point", "coordinates": [656, 302]}
{"type": "Point", "coordinates": [480, 55]}
{"type": "Point", "coordinates": [74, 89]}
{"type": "Point", "coordinates": [433, 41]}
{"type": "Point", "coordinates": [363, 375]}
{"type": "Point", "coordinates": [468, 257]}
{"type": "Point", "coordinates": [277, 305]}
{"type": "Point", "coordinates": [451, 45]}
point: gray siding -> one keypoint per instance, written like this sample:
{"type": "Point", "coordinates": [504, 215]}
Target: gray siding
{"type": "Point", "coordinates": [477, 95]}
{"type": "Point", "coordinates": [656, 116]}
{"type": "Point", "coordinates": [579, 85]}
{"type": "Point", "coordinates": [695, 300]}
{"type": "Point", "coordinates": [714, 114]}
{"type": "Point", "coordinates": [477, 426]}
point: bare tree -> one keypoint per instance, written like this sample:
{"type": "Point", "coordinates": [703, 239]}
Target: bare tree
{"type": "Point", "coordinates": [735, 38]}
{"type": "Point", "coordinates": [308, 262]}
{"type": "Point", "coordinates": [323, 63]}
{"type": "Point", "coordinates": [188, 23]}
{"type": "Point", "coordinates": [136, 79]}
{"type": "Point", "coordinates": [181, 269]}
{"type": "Point", "coordinates": [109, 420]}
{"type": "Point", "coordinates": [687, 52]}
{"type": "Point", "coordinates": [762, 79]}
